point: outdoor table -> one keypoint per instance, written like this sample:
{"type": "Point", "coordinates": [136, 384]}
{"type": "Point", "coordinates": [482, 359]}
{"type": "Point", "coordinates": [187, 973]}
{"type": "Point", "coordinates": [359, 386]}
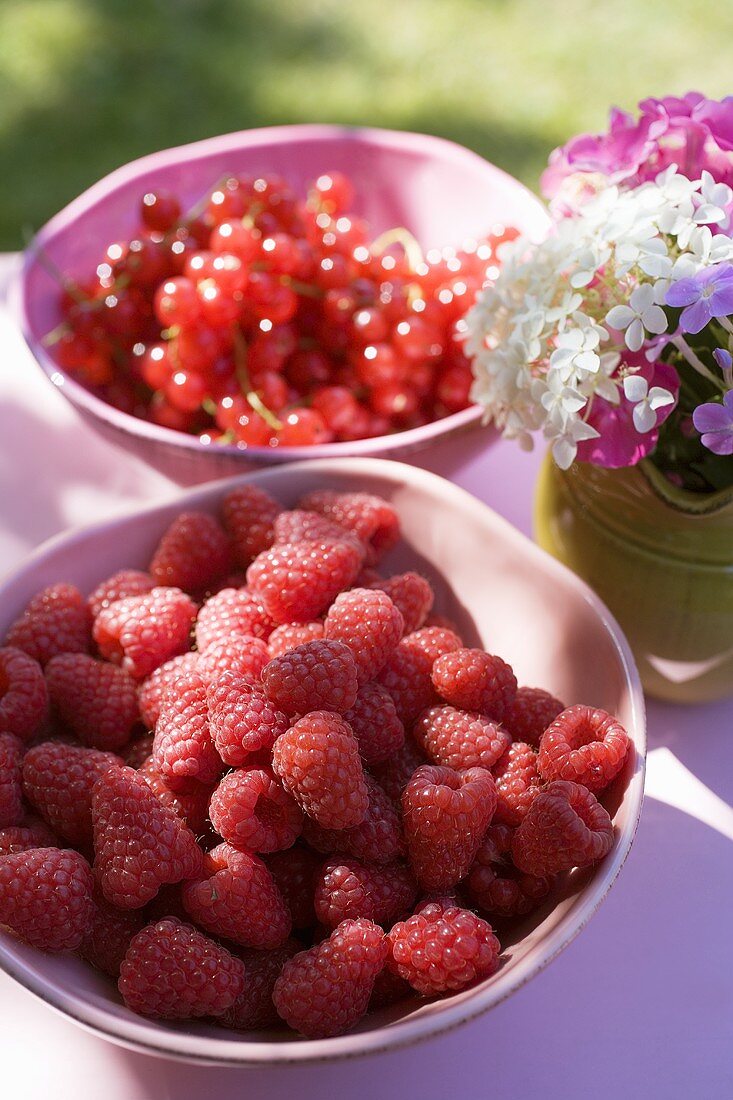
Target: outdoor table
{"type": "Point", "coordinates": [639, 1005]}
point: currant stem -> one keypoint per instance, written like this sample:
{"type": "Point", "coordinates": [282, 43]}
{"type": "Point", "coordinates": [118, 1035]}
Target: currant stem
{"type": "Point", "coordinates": [403, 237]}
{"type": "Point", "coordinates": [245, 382]}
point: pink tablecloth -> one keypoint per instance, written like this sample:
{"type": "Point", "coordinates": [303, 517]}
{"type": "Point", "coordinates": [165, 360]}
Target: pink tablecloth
{"type": "Point", "coordinates": [640, 1005]}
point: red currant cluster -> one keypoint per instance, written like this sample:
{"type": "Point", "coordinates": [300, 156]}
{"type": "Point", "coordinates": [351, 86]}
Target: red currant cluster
{"type": "Point", "coordinates": [263, 320]}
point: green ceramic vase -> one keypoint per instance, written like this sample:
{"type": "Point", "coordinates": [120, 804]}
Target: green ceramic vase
{"type": "Point", "coordinates": [661, 559]}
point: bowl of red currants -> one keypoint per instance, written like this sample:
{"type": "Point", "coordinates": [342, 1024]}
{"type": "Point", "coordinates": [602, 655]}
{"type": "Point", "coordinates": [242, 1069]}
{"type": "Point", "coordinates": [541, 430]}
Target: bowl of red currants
{"type": "Point", "coordinates": [307, 764]}
{"type": "Point", "coordinates": [256, 297]}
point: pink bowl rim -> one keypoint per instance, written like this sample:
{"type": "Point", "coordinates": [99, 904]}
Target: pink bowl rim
{"type": "Point", "coordinates": [262, 137]}
{"type": "Point", "coordinates": [183, 1046]}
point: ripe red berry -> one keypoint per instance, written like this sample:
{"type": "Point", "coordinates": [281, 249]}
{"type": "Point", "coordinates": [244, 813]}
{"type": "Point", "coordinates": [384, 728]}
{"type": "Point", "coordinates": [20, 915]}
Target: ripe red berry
{"type": "Point", "coordinates": [460, 739]}
{"type": "Point", "coordinates": [445, 815]}
{"type": "Point", "coordinates": [244, 655]}
{"type": "Point", "coordinates": [253, 1008]}
{"type": "Point", "coordinates": [229, 614]}
{"type": "Point", "coordinates": [249, 514]}
{"type": "Point", "coordinates": [376, 840]}
{"type": "Point", "coordinates": [413, 595]}
{"type": "Point", "coordinates": [11, 791]}
{"type": "Point", "coordinates": [320, 675]}
{"type": "Point", "coordinates": [173, 972]}
{"type": "Point", "coordinates": [30, 832]}
{"type": "Point", "coordinates": [183, 748]}
{"type": "Point", "coordinates": [318, 761]}
{"type": "Point", "coordinates": [189, 800]}
{"type": "Point", "coordinates": [58, 780]}
{"type": "Point", "coordinates": [347, 889]}
{"type": "Point", "coordinates": [298, 581]}
{"type": "Point", "coordinates": [517, 783]}
{"type": "Point", "coordinates": [192, 554]}
{"type": "Point", "coordinates": [242, 720]}
{"type": "Point", "coordinates": [406, 677]}
{"type": "Point", "coordinates": [584, 745]}
{"type": "Point", "coordinates": [372, 519]}
{"type": "Point", "coordinates": [432, 642]}
{"type": "Point", "coordinates": [108, 939]}
{"type": "Point", "coordinates": [142, 632]}
{"type": "Point", "coordinates": [441, 950]}
{"type": "Point", "coordinates": [325, 991]}
{"type": "Point", "coordinates": [369, 624]}
{"type": "Point", "coordinates": [531, 713]}
{"type": "Point", "coordinates": [251, 810]}
{"type": "Point", "coordinates": [290, 635]}
{"type": "Point", "coordinates": [473, 680]}
{"type": "Point", "coordinates": [46, 897]}
{"type": "Point", "coordinates": [235, 897]}
{"type": "Point", "coordinates": [566, 826]}
{"type": "Point", "coordinates": [152, 690]}
{"type": "Point", "coordinates": [394, 774]}
{"type": "Point", "coordinates": [56, 620]}
{"type": "Point", "coordinates": [300, 526]}
{"type": "Point", "coordinates": [23, 694]}
{"type": "Point", "coordinates": [128, 582]}
{"type": "Point", "coordinates": [375, 724]}
{"type": "Point", "coordinates": [139, 844]}
{"type": "Point", "coordinates": [294, 872]}
{"type": "Point", "coordinates": [95, 699]}
{"type": "Point", "coordinates": [494, 883]}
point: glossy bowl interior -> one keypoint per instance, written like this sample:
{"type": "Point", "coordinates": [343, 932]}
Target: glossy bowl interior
{"type": "Point", "coordinates": [440, 191]}
{"type": "Point", "coordinates": [504, 593]}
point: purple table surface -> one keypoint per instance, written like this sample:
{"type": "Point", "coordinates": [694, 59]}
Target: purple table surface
{"type": "Point", "coordinates": [640, 1004]}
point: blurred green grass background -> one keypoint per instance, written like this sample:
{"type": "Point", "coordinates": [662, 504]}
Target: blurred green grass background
{"type": "Point", "coordinates": [86, 85]}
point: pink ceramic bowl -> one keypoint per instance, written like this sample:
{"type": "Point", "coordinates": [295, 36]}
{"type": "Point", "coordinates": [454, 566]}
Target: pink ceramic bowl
{"type": "Point", "coordinates": [441, 192]}
{"type": "Point", "coordinates": [504, 593]}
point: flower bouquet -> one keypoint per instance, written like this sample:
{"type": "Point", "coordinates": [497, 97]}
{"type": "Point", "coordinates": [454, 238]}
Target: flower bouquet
{"type": "Point", "coordinates": [613, 338]}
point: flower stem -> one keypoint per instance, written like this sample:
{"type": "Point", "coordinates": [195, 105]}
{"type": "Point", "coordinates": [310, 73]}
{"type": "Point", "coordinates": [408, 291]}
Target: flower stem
{"type": "Point", "coordinates": [694, 360]}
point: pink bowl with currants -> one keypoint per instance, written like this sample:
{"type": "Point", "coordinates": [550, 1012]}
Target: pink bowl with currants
{"type": "Point", "coordinates": [270, 294]}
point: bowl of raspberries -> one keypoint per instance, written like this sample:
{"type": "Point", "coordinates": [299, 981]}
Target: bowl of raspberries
{"type": "Point", "coordinates": [232, 302]}
{"type": "Point", "coordinates": [305, 764]}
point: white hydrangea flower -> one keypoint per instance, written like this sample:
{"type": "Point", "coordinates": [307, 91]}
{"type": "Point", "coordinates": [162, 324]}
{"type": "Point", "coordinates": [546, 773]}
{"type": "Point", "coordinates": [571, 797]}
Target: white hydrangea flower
{"type": "Point", "coordinates": [715, 197]}
{"type": "Point", "coordinates": [642, 313]}
{"type": "Point", "coordinates": [645, 401]}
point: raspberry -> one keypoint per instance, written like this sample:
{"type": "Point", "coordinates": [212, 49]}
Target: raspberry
{"type": "Point", "coordinates": [412, 595]}
{"type": "Point", "coordinates": [374, 722]}
{"type": "Point", "coordinates": [182, 748]}
{"type": "Point", "coordinates": [250, 810]}
{"type": "Point", "coordinates": [394, 774]}
{"type": "Point", "coordinates": [433, 642]}
{"type": "Point", "coordinates": [46, 897]}
{"type": "Point", "coordinates": [347, 889]}
{"type": "Point", "coordinates": [316, 676]}
{"type": "Point", "coordinates": [318, 761]}
{"type": "Point", "coordinates": [325, 991]}
{"type": "Point", "coordinates": [298, 581]}
{"type": "Point", "coordinates": [151, 692]}
{"type": "Point", "coordinates": [377, 839]}
{"type": "Point", "coordinates": [128, 582]}
{"type": "Point", "coordinates": [139, 843]}
{"type": "Point", "coordinates": [56, 620]}
{"type": "Point", "coordinates": [232, 611]}
{"type": "Point", "coordinates": [242, 720]}
{"type": "Point", "coordinates": [301, 526]}
{"type": "Point", "coordinates": [565, 827]}
{"type": "Point", "coordinates": [96, 700]}
{"type": "Point", "coordinates": [440, 950]}
{"type": "Point", "coordinates": [235, 897]}
{"type": "Point", "coordinates": [517, 783]}
{"type": "Point", "coordinates": [249, 514]}
{"type": "Point", "coordinates": [189, 801]}
{"type": "Point", "coordinates": [58, 780]}
{"type": "Point", "coordinates": [291, 635]}
{"type": "Point", "coordinates": [445, 815]}
{"type": "Point", "coordinates": [531, 713]}
{"type": "Point", "coordinates": [23, 694]}
{"type": "Point", "coordinates": [11, 770]}
{"type": "Point", "coordinates": [142, 632]}
{"type": "Point", "coordinates": [372, 519]}
{"type": "Point", "coordinates": [253, 1008]}
{"type": "Point", "coordinates": [406, 676]}
{"type": "Point", "coordinates": [583, 745]}
{"type": "Point", "coordinates": [32, 832]}
{"type": "Point", "coordinates": [108, 939]}
{"type": "Point", "coordinates": [459, 739]}
{"type": "Point", "coordinates": [494, 883]}
{"type": "Point", "coordinates": [369, 624]}
{"type": "Point", "coordinates": [137, 752]}
{"type": "Point", "coordinates": [243, 654]}
{"type": "Point", "coordinates": [473, 680]}
{"type": "Point", "coordinates": [294, 872]}
{"type": "Point", "coordinates": [192, 554]}
{"type": "Point", "coordinates": [173, 972]}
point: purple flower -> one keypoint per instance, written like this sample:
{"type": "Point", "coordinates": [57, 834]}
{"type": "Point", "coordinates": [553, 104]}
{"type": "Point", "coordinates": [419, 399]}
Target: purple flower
{"type": "Point", "coordinates": [715, 423]}
{"type": "Point", "coordinates": [707, 294]}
